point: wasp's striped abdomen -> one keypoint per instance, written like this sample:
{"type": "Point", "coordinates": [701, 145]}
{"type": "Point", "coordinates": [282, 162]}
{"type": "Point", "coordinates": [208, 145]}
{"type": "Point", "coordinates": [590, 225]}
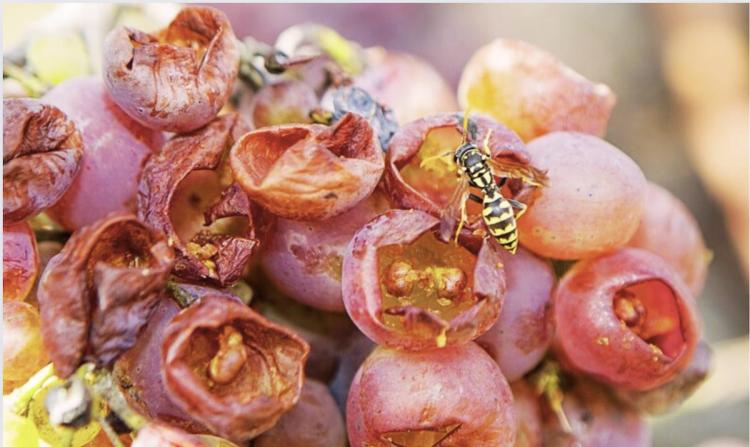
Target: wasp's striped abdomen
{"type": "Point", "coordinates": [498, 215]}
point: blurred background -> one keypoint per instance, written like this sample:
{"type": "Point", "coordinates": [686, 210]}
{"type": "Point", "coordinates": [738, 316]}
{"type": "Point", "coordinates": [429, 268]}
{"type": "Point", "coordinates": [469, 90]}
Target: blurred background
{"type": "Point", "coordinates": [681, 76]}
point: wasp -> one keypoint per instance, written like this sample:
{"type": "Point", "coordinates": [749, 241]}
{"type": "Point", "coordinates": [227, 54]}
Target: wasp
{"type": "Point", "coordinates": [476, 168]}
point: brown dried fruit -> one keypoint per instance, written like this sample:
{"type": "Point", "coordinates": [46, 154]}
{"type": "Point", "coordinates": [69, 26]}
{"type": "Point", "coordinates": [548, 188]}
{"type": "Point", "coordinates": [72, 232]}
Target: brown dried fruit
{"type": "Point", "coordinates": [309, 172]}
{"type": "Point", "coordinates": [249, 398]}
{"type": "Point", "coordinates": [177, 79]}
{"type": "Point", "coordinates": [42, 152]}
{"type": "Point", "coordinates": [207, 256]}
{"type": "Point", "coordinates": [96, 295]}
{"type": "Point", "coordinates": [428, 187]}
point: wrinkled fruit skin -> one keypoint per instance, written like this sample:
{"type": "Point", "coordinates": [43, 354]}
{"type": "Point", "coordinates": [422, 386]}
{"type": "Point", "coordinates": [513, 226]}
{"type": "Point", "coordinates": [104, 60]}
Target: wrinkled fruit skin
{"type": "Point", "coordinates": [303, 259]}
{"type": "Point", "coordinates": [217, 259]}
{"type": "Point", "coordinates": [531, 92]}
{"type": "Point", "coordinates": [434, 189]}
{"type": "Point", "coordinates": [406, 84]}
{"type": "Point", "coordinates": [363, 298]}
{"type": "Point", "coordinates": [114, 149]}
{"type": "Point", "coordinates": [162, 435]}
{"type": "Point", "coordinates": [99, 291]}
{"type": "Point", "coordinates": [593, 337]}
{"type": "Point", "coordinates": [42, 152]}
{"type": "Point", "coordinates": [458, 392]}
{"type": "Point", "coordinates": [248, 396]}
{"type": "Point", "coordinates": [668, 229]}
{"type": "Point", "coordinates": [178, 79]}
{"type": "Point", "coordinates": [593, 200]}
{"type": "Point", "coordinates": [520, 337]}
{"type": "Point", "coordinates": [528, 415]}
{"type": "Point", "coordinates": [596, 420]}
{"type": "Point", "coordinates": [309, 172]}
{"type": "Point", "coordinates": [20, 261]}
{"type": "Point", "coordinates": [314, 422]}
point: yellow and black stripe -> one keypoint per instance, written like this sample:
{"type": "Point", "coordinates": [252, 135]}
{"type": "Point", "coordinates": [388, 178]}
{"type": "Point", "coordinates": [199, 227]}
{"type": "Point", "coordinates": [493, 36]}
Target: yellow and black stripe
{"type": "Point", "coordinates": [498, 215]}
{"type": "Point", "coordinates": [475, 165]}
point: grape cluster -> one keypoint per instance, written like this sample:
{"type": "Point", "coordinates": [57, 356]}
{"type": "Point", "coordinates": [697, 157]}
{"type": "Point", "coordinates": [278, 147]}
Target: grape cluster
{"type": "Point", "coordinates": [206, 262]}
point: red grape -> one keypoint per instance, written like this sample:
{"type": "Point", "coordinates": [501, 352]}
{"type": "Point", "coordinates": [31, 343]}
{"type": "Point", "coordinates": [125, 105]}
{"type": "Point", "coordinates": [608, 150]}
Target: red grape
{"type": "Point", "coordinates": [592, 203]}
{"type": "Point", "coordinates": [453, 396]}
{"type": "Point", "coordinates": [314, 422]}
{"type": "Point", "coordinates": [20, 261]}
{"type": "Point", "coordinates": [303, 259]}
{"type": "Point", "coordinates": [528, 415]}
{"type": "Point", "coordinates": [23, 353]}
{"type": "Point", "coordinates": [114, 149]}
{"type": "Point", "coordinates": [626, 318]}
{"type": "Point", "coordinates": [669, 229]}
{"type": "Point", "coordinates": [531, 92]}
{"type": "Point", "coordinates": [285, 102]}
{"type": "Point", "coordinates": [521, 335]}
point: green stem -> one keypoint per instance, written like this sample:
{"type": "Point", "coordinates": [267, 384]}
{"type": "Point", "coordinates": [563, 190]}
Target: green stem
{"type": "Point", "coordinates": [183, 298]}
{"type": "Point", "coordinates": [18, 400]}
{"type": "Point", "coordinates": [104, 386]}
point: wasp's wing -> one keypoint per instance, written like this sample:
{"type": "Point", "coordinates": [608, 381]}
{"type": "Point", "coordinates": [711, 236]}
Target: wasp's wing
{"type": "Point", "coordinates": [453, 212]}
{"type": "Point", "coordinates": [527, 173]}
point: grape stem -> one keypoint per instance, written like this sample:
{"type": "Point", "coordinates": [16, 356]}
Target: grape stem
{"type": "Point", "coordinates": [103, 386]}
{"type": "Point", "coordinates": [18, 400]}
{"type": "Point", "coordinates": [183, 298]}
{"type": "Point", "coordinates": [34, 87]}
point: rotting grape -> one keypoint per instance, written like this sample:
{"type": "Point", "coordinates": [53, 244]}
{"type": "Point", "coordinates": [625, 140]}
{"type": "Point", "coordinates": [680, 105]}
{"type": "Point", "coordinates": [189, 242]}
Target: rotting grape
{"type": "Point", "coordinates": [626, 318]}
{"type": "Point", "coordinates": [23, 353]}
{"type": "Point", "coordinates": [309, 172]}
{"type": "Point", "coordinates": [186, 193]}
{"type": "Point", "coordinates": [531, 92]}
{"type": "Point", "coordinates": [96, 295]}
{"type": "Point", "coordinates": [303, 259]}
{"type": "Point", "coordinates": [451, 396]}
{"type": "Point", "coordinates": [178, 79]}
{"type": "Point", "coordinates": [230, 368]}
{"type": "Point", "coordinates": [593, 201]}
{"type": "Point", "coordinates": [405, 288]}
{"type": "Point", "coordinates": [315, 421]}
{"type": "Point", "coordinates": [668, 229]}
{"type": "Point", "coordinates": [520, 337]}
{"type": "Point", "coordinates": [20, 261]}
{"type": "Point", "coordinates": [114, 149]}
{"type": "Point", "coordinates": [283, 102]}
{"type": "Point", "coordinates": [42, 152]}
{"type": "Point", "coordinates": [405, 83]}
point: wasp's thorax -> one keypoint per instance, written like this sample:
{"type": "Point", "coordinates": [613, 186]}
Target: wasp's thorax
{"type": "Point", "coordinates": [470, 159]}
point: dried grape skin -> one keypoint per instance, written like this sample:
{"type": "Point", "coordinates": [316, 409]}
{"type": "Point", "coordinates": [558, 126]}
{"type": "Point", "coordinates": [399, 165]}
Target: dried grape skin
{"type": "Point", "coordinates": [178, 79]}
{"type": "Point", "coordinates": [521, 335]}
{"type": "Point", "coordinates": [42, 152]}
{"type": "Point", "coordinates": [303, 258]}
{"type": "Point", "coordinates": [315, 421]}
{"type": "Point", "coordinates": [266, 385]}
{"type": "Point", "coordinates": [593, 201]}
{"type": "Point", "coordinates": [531, 92]}
{"type": "Point", "coordinates": [20, 261]}
{"type": "Point", "coordinates": [668, 229]}
{"type": "Point", "coordinates": [595, 333]}
{"type": "Point", "coordinates": [309, 172]}
{"type": "Point", "coordinates": [415, 326]}
{"type": "Point", "coordinates": [207, 256]}
{"type": "Point", "coordinates": [99, 291]}
{"type": "Point", "coordinates": [23, 353]}
{"type": "Point", "coordinates": [114, 149]}
{"type": "Point", "coordinates": [407, 84]}
{"type": "Point", "coordinates": [430, 393]}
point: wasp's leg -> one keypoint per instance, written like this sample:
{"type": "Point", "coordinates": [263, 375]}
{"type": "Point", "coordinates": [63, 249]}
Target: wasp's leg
{"type": "Point", "coordinates": [520, 206]}
{"type": "Point", "coordinates": [486, 145]}
{"type": "Point", "coordinates": [427, 160]}
{"type": "Point", "coordinates": [461, 220]}
{"type": "Point", "coordinates": [501, 182]}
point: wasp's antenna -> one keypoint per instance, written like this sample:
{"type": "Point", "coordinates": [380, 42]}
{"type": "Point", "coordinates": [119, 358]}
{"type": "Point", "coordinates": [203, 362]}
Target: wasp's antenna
{"type": "Point", "coordinates": [466, 126]}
